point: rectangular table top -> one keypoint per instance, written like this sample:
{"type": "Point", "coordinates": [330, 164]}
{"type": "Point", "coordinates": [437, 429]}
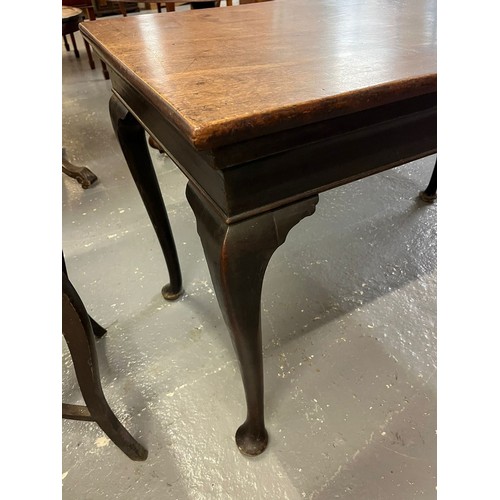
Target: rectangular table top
{"type": "Point", "coordinates": [225, 74]}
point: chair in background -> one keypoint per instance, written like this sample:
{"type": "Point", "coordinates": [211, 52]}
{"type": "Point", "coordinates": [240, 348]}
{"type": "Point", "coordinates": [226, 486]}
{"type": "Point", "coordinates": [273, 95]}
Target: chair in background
{"type": "Point", "coordinates": [196, 4]}
{"type": "Point", "coordinates": [170, 5]}
{"type": "Point", "coordinates": [79, 330]}
{"type": "Point", "coordinates": [123, 7]}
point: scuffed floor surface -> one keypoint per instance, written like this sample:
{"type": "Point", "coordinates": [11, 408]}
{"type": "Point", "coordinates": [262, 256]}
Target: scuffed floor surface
{"type": "Point", "coordinates": [349, 333]}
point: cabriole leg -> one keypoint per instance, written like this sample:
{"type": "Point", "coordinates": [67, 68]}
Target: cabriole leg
{"type": "Point", "coordinates": [237, 256]}
{"type": "Point", "coordinates": [429, 195]}
{"type": "Point", "coordinates": [133, 143]}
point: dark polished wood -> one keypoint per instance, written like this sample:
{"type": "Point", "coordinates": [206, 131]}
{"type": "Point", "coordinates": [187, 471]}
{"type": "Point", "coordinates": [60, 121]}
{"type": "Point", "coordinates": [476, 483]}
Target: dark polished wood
{"type": "Point", "coordinates": [97, 329]}
{"type": "Point", "coordinates": [79, 336]}
{"type": "Point", "coordinates": [282, 101]}
{"type": "Point", "coordinates": [133, 143]}
{"type": "Point", "coordinates": [170, 7]}
{"type": "Point", "coordinates": [237, 256]}
{"type": "Point", "coordinates": [195, 4]}
{"type": "Point", "coordinates": [430, 193]}
{"type": "Point", "coordinates": [82, 174]}
{"type": "Point", "coordinates": [204, 4]}
{"type": "Point", "coordinates": [322, 59]}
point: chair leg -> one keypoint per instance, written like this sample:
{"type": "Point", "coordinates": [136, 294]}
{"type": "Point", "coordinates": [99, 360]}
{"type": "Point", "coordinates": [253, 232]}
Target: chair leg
{"type": "Point", "coordinates": [77, 330]}
{"type": "Point", "coordinates": [90, 13]}
{"type": "Point", "coordinates": [203, 5]}
{"type": "Point", "coordinates": [66, 44]}
{"type": "Point", "coordinates": [429, 195]}
{"type": "Point", "coordinates": [123, 9]}
{"type": "Point", "coordinates": [75, 48]}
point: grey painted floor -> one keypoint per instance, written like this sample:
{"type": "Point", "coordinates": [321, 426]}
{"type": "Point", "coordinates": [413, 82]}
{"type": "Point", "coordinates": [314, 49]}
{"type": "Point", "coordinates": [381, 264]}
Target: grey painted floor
{"type": "Point", "coordinates": [349, 334]}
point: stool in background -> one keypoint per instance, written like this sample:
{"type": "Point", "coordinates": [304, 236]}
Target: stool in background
{"type": "Point", "coordinates": [71, 18]}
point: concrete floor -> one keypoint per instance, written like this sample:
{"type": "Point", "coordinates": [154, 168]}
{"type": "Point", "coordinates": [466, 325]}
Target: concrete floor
{"type": "Point", "coordinates": [349, 334]}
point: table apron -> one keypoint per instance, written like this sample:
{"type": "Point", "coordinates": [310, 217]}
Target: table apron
{"type": "Point", "coordinates": [287, 176]}
{"type": "Point", "coordinates": [341, 150]}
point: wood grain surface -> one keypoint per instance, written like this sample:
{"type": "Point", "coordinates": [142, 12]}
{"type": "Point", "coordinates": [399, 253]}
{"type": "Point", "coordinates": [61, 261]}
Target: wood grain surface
{"type": "Point", "coordinates": [226, 74]}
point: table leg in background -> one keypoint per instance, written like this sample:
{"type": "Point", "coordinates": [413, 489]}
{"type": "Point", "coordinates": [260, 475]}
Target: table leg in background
{"type": "Point", "coordinates": [132, 140]}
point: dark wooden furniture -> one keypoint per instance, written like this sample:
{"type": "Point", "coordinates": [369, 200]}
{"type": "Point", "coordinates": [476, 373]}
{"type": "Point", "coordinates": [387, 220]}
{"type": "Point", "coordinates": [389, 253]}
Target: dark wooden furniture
{"type": "Point", "coordinates": [195, 4]}
{"type": "Point", "coordinates": [170, 6]}
{"type": "Point", "coordinates": [83, 175]}
{"type": "Point", "coordinates": [282, 101]}
{"type": "Point", "coordinates": [430, 193]}
{"type": "Point", "coordinates": [123, 5]}
{"type": "Point", "coordinates": [110, 7]}
{"type": "Point", "coordinates": [79, 330]}
{"type": "Point", "coordinates": [71, 18]}
{"type": "Point", "coordinates": [85, 5]}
